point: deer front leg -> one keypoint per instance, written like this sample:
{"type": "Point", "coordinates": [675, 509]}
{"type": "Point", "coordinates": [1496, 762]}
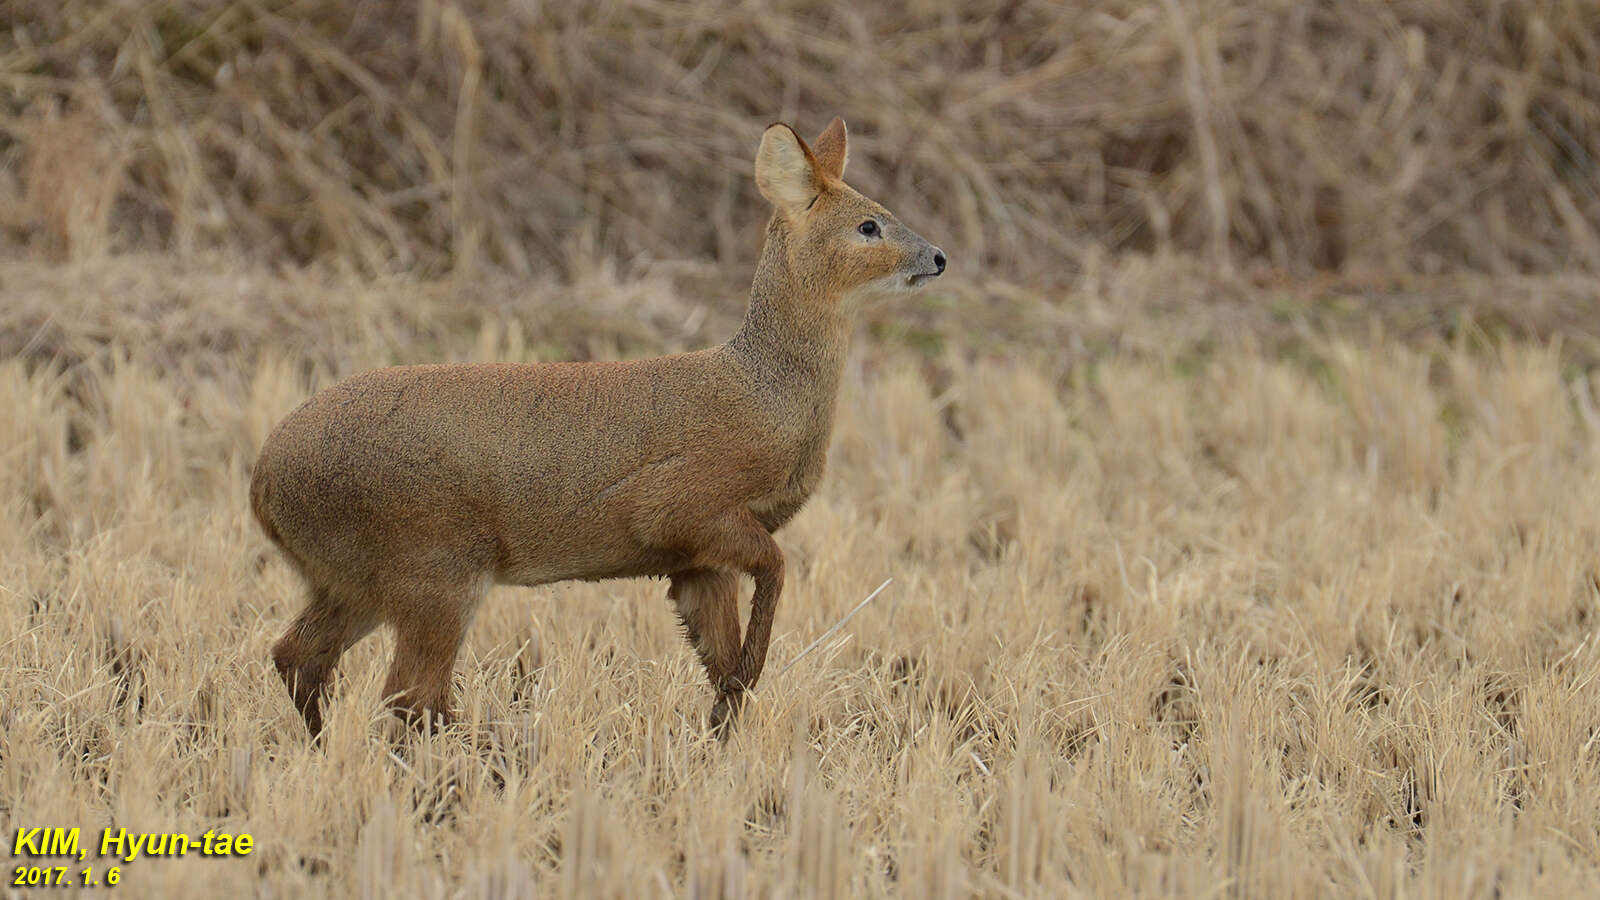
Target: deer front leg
{"type": "Point", "coordinates": [707, 601]}
{"type": "Point", "coordinates": [738, 541]}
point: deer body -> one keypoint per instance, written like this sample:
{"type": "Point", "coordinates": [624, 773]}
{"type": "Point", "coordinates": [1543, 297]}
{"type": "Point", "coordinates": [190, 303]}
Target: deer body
{"type": "Point", "coordinates": [402, 494]}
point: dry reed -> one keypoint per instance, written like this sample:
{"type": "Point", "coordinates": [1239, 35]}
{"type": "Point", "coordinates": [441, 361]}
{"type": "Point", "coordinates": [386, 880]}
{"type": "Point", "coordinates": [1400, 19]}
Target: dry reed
{"type": "Point", "coordinates": [1422, 135]}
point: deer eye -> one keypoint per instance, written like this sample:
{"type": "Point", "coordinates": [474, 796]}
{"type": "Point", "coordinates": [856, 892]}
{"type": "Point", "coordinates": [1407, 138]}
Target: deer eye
{"type": "Point", "coordinates": [868, 228]}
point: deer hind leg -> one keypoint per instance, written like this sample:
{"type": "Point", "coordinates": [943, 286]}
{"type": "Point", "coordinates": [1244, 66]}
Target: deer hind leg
{"type": "Point", "coordinates": [305, 656]}
{"type": "Point", "coordinates": [707, 601]}
{"type": "Point", "coordinates": [429, 627]}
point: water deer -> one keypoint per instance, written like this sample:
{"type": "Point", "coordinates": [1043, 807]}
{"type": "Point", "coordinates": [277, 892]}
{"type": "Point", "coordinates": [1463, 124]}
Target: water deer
{"type": "Point", "coordinates": [403, 494]}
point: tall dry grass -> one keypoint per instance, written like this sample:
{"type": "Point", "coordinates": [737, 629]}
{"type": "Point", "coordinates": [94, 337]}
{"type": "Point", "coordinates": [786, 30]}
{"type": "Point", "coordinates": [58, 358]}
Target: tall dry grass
{"type": "Point", "coordinates": [1421, 135]}
{"type": "Point", "coordinates": [1176, 617]}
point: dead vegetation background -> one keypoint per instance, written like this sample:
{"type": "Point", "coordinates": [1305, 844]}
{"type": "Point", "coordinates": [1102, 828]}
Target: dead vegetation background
{"type": "Point", "coordinates": [541, 137]}
{"type": "Point", "coordinates": [1239, 483]}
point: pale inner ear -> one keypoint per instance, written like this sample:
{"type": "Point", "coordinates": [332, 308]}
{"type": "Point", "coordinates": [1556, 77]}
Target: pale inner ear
{"type": "Point", "coordinates": [784, 171]}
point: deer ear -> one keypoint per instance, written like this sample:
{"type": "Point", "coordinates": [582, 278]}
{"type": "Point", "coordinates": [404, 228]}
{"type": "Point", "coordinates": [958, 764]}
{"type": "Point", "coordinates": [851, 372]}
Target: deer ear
{"type": "Point", "coordinates": [831, 149]}
{"type": "Point", "coordinates": [786, 172]}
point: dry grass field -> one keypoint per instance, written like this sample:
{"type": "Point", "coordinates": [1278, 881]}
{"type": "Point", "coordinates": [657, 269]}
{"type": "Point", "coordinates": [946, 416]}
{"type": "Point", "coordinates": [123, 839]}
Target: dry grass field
{"type": "Point", "coordinates": [1240, 486]}
{"type": "Point", "coordinates": [1187, 616]}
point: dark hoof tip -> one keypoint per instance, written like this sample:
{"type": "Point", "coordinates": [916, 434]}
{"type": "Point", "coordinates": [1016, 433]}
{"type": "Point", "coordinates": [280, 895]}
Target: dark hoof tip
{"type": "Point", "coordinates": [723, 714]}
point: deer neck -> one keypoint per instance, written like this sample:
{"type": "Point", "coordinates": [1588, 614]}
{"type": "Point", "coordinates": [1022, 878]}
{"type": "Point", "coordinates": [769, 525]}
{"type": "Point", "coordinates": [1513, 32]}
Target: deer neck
{"type": "Point", "coordinates": [794, 338]}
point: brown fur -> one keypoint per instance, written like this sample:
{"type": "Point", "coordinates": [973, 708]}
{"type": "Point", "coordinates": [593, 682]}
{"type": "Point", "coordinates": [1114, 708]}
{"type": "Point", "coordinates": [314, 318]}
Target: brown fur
{"type": "Point", "coordinates": [403, 494]}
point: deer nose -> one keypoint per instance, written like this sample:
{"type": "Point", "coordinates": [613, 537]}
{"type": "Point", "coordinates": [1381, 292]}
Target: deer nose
{"type": "Point", "coordinates": [938, 260]}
